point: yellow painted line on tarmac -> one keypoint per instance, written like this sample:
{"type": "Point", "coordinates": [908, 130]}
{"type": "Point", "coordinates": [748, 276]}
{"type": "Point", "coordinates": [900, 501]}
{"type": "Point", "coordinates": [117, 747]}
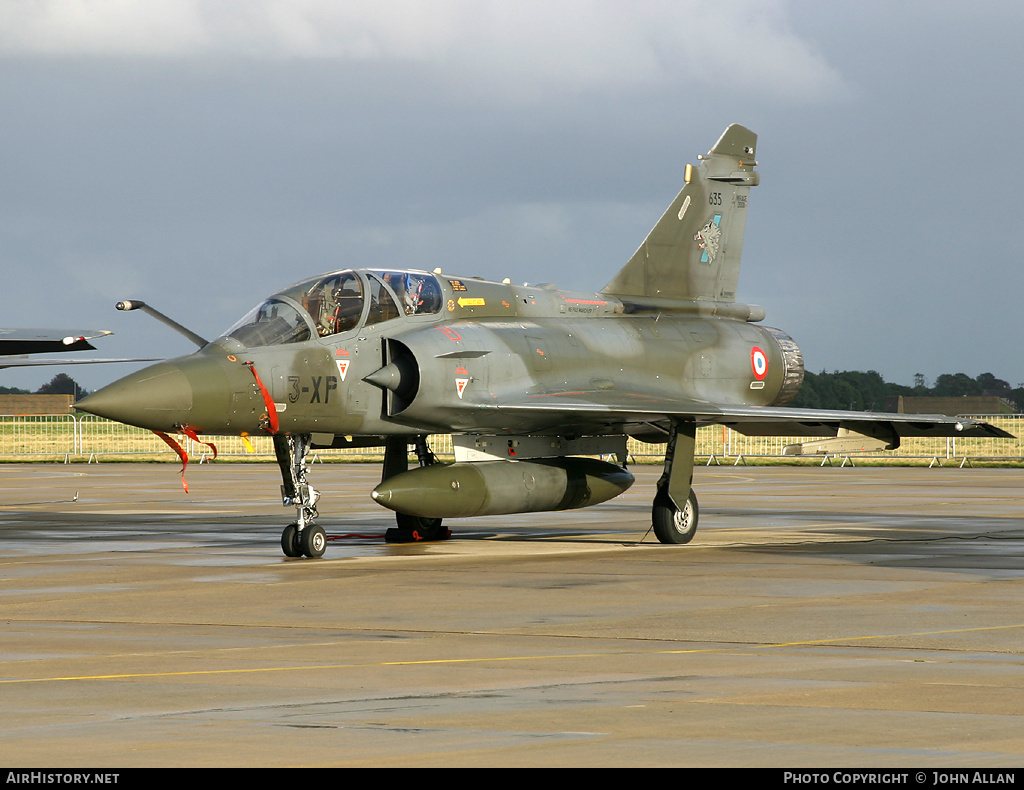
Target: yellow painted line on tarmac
{"type": "Point", "coordinates": [897, 636]}
{"type": "Point", "coordinates": [560, 656]}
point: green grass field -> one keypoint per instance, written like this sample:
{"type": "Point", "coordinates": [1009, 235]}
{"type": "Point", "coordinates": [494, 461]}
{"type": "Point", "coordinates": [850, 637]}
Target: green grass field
{"type": "Point", "coordinates": [88, 438]}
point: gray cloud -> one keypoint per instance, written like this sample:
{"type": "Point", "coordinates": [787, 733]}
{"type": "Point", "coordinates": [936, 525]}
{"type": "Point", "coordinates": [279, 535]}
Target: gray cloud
{"type": "Point", "coordinates": [200, 155]}
{"type": "Point", "coordinates": [526, 49]}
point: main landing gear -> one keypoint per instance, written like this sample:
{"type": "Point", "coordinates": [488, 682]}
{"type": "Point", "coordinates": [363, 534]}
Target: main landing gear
{"type": "Point", "coordinates": [674, 522]}
{"type": "Point", "coordinates": [410, 529]}
{"type": "Point", "coordinates": [304, 538]}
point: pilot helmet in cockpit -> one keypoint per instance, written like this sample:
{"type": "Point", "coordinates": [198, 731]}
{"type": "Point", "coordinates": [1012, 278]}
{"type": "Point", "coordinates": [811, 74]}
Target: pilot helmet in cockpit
{"type": "Point", "coordinates": [335, 303]}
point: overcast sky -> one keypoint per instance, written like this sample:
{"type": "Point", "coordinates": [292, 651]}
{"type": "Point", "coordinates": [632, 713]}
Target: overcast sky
{"type": "Point", "coordinates": [201, 154]}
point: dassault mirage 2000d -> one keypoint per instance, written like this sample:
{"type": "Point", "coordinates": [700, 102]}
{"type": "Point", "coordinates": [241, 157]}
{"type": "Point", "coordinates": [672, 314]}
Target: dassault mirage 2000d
{"type": "Point", "coordinates": [528, 380]}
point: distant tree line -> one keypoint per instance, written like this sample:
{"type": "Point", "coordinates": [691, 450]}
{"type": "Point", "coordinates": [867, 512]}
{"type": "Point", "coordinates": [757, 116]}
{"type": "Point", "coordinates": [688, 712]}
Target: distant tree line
{"type": "Point", "coordinates": [61, 384]}
{"type": "Point", "coordinates": [868, 391]}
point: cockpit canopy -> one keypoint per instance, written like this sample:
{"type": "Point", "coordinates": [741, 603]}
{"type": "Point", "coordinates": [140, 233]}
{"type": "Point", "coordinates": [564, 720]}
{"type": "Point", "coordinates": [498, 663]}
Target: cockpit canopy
{"type": "Point", "coordinates": [335, 303]}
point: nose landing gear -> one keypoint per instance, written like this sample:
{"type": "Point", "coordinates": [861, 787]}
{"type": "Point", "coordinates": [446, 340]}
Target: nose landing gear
{"type": "Point", "coordinates": [303, 538]}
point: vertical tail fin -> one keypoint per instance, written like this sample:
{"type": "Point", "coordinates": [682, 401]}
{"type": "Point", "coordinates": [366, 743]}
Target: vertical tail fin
{"type": "Point", "coordinates": [694, 250]}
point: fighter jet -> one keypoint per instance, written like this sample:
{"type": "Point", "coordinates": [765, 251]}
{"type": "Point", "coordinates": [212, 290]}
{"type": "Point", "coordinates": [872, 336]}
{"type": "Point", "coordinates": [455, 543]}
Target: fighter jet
{"type": "Point", "coordinates": [532, 382]}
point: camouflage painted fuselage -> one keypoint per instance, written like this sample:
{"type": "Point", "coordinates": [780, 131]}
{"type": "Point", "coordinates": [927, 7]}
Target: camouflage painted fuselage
{"type": "Point", "coordinates": [480, 364]}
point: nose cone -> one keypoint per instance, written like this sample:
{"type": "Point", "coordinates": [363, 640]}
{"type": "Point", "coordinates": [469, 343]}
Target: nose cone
{"type": "Point", "coordinates": [192, 390]}
{"type": "Point", "coordinates": [158, 397]}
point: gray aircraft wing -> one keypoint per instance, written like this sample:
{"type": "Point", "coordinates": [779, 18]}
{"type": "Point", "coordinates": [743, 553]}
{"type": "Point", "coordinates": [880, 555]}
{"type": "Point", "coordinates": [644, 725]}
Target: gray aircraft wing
{"type": "Point", "coordinates": [781, 421]}
{"type": "Point", "coordinates": [603, 410]}
{"type": "Point", "coordinates": [24, 362]}
{"type": "Point", "coordinates": [35, 341]}
{"type": "Point", "coordinates": [16, 344]}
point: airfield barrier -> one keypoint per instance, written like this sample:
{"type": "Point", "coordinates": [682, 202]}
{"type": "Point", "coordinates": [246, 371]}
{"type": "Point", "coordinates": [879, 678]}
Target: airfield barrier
{"type": "Point", "coordinates": [86, 437]}
{"type": "Point", "coordinates": [38, 436]}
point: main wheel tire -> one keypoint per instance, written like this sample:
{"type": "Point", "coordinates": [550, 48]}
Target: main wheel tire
{"type": "Point", "coordinates": [290, 541]}
{"type": "Point", "coordinates": [673, 524]}
{"type": "Point", "coordinates": [313, 541]}
{"type": "Point", "coordinates": [425, 528]}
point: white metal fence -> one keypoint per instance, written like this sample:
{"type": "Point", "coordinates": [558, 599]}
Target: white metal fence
{"type": "Point", "coordinates": [74, 437]}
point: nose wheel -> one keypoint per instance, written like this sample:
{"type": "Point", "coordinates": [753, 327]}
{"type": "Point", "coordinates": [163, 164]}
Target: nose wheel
{"type": "Point", "coordinates": [309, 542]}
{"type": "Point", "coordinates": [313, 541]}
{"type": "Point", "coordinates": [303, 538]}
{"type": "Point", "coordinates": [290, 541]}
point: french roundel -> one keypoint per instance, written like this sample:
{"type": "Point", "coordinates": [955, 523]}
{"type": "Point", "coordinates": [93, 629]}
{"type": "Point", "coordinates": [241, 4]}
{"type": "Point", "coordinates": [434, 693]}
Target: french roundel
{"type": "Point", "coordinates": [759, 363]}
